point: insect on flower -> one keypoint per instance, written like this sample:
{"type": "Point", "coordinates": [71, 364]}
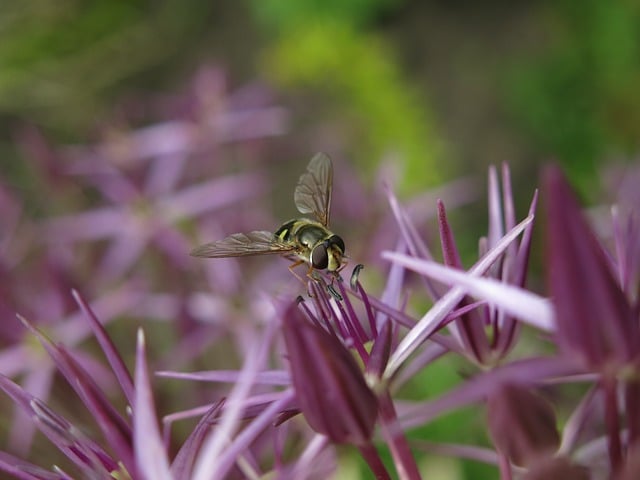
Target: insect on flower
{"type": "Point", "coordinates": [301, 240]}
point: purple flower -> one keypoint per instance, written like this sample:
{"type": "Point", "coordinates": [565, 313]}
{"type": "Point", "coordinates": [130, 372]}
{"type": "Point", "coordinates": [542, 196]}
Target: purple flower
{"type": "Point", "coordinates": [135, 447]}
{"type": "Point", "coordinates": [348, 355]}
{"type": "Point", "coordinates": [487, 333]}
{"type": "Point", "coordinates": [484, 332]}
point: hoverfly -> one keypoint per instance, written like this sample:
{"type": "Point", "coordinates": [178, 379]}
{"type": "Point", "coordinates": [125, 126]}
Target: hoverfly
{"type": "Point", "coordinates": [301, 240]}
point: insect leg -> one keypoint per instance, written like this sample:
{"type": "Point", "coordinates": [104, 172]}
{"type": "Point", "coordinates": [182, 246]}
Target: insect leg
{"type": "Point", "coordinates": [294, 265]}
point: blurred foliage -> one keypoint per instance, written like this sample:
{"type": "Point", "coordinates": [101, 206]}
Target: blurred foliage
{"type": "Point", "coordinates": [579, 98]}
{"type": "Point", "coordinates": [282, 14]}
{"type": "Point", "coordinates": [59, 60]}
{"type": "Point", "coordinates": [325, 47]}
{"type": "Point", "coordinates": [381, 112]}
{"type": "Point", "coordinates": [573, 95]}
{"type": "Point", "coordinates": [463, 426]}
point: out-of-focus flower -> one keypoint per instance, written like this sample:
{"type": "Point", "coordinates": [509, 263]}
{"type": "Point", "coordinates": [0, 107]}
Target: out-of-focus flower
{"type": "Point", "coordinates": [155, 182]}
{"type": "Point", "coordinates": [596, 321]}
{"type": "Point", "coordinates": [620, 226]}
{"type": "Point", "coordinates": [594, 318]}
{"type": "Point", "coordinates": [142, 217]}
{"type": "Point", "coordinates": [25, 360]}
{"type": "Point", "coordinates": [90, 458]}
{"type": "Point", "coordinates": [134, 446]}
{"type": "Point", "coordinates": [522, 424]}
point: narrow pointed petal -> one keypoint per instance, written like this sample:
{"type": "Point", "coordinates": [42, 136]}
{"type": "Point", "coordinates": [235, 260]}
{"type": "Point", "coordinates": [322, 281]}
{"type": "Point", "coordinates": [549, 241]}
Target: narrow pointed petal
{"type": "Point", "coordinates": [109, 349]}
{"type": "Point", "coordinates": [21, 470]}
{"type": "Point", "coordinates": [248, 435]}
{"type": "Point", "coordinates": [83, 452]}
{"type": "Point", "coordinates": [523, 304]}
{"type": "Point", "coordinates": [496, 222]}
{"type": "Point", "coordinates": [182, 465]}
{"type": "Point", "coordinates": [530, 371]}
{"type": "Point", "coordinates": [151, 456]}
{"type": "Point", "coordinates": [470, 328]}
{"type": "Point", "coordinates": [450, 253]}
{"type": "Point", "coordinates": [213, 457]}
{"type": "Point", "coordinates": [414, 243]}
{"type": "Point", "coordinates": [522, 258]}
{"type": "Point", "coordinates": [115, 429]}
{"type": "Point", "coordinates": [380, 352]}
{"type": "Point", "coordinates": [269, 377]}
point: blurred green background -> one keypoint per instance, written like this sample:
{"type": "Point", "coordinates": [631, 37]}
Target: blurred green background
{"type": "Point", "coordinates": [443, 88]}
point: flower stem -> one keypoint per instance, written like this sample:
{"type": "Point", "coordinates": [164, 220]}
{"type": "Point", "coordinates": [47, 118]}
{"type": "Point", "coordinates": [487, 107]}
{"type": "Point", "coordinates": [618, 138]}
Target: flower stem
{"type": "Point", "coordinates": [505, 467]}
{"type": "Point", "coordinates": [632, 401]}
{"type": "Point", "coordinates": [370, 454]}
{"type": "Point", "coordinates": [404, 462]}
{"type": "Point", "coordinates": [613, 423]}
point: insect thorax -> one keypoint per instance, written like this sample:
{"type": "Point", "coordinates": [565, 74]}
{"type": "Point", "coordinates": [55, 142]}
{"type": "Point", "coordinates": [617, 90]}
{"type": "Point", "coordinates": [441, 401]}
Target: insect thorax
{"type": "Point", "coordinates": [305, 232]}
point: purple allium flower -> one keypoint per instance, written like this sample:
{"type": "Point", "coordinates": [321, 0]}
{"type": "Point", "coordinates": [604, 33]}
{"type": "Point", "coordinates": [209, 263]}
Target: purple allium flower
{"type": "Point", "coordinates": [484, 333]}
{"type": "Point", "coordinates": [512, 300]}
{"type": "Point", "coordinates": [488, 334]}
{"type": "Point", "coordinates": [87, 455]}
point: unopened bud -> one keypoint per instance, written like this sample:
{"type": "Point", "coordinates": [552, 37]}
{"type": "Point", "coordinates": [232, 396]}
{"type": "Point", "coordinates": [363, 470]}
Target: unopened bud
{"type": "Point", "coordinates": [330, 387]}
{"type": "Point", "coordinates": [522, 424]}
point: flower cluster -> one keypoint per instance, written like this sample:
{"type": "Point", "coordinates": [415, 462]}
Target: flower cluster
{"type": "Point", "coordinates": [261, 383]}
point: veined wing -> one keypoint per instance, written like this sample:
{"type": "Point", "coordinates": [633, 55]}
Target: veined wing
{"type": "Point", "coordinates": [313, 192]}
{"type": "Point", "coordinates": [259, 242]}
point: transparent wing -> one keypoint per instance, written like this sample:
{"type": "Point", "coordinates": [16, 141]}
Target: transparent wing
{"type": "Point", "coordinates": [259, 242]}
{"type": "Point", "coordinates": [313, 192]}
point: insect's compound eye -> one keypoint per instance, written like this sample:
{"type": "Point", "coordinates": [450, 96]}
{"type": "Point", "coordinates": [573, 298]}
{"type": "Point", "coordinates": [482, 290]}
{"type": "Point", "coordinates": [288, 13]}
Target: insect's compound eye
{"type": "Point", "coordinates": [319, 257]}
{"type": "Point", "coordinates": [337, 241]}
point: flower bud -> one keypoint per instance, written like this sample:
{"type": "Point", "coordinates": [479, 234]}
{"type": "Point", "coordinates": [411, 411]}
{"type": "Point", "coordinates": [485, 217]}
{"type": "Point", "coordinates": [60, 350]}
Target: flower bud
{"type": "Point", "coordinates": [522, 424]}
{"type": "Point", "coordinates": [594, 319]}
{"type": "Point", "coordinates": [330, 388]}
